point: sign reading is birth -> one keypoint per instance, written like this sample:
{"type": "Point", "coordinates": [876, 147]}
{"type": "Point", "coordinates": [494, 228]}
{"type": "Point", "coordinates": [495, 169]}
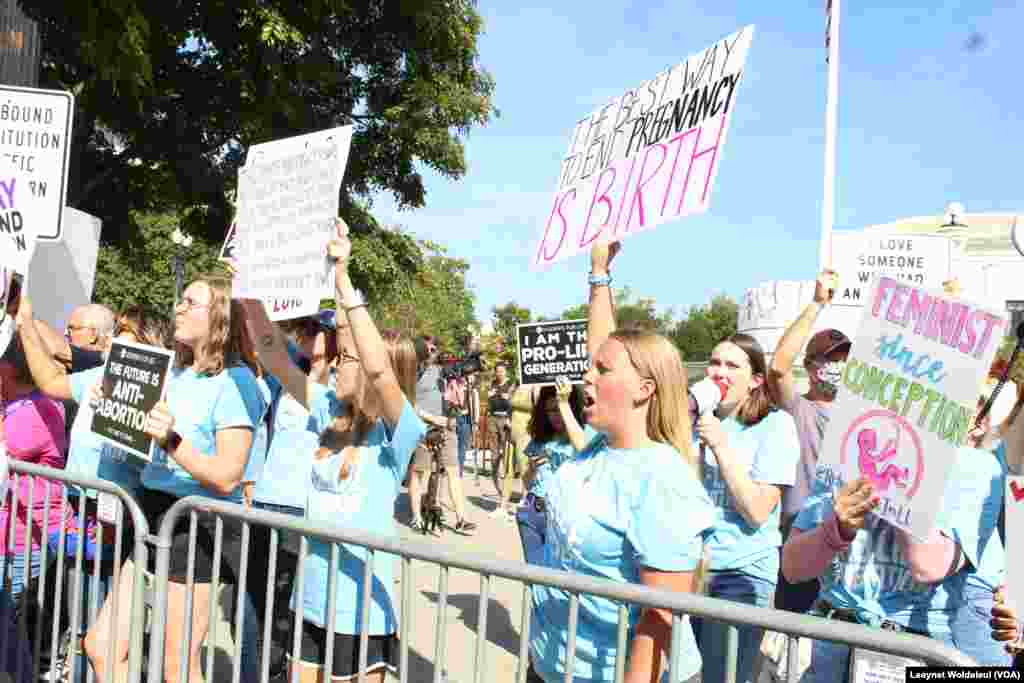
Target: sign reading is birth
{"type": "Point", "coordinates": [646, 157]}
{"type": "Point", "coordinates": [908, 397]}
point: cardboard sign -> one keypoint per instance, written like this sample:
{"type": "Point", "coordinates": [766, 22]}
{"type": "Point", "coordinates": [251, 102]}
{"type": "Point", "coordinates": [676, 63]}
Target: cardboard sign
{"type": "Point", "coordinates": [647, 157]}
{"type": "Point", "coordinates": [287, 206]}
{"type": "Point", "coordinates": [134, 380]}
{"type": "Point", "coordinates": [227, 252]}
{"type": "Point", "coordinates": [920, 260]}
{"type": "Point", "coordinates": [63, 273]}
{"type": "Point", "coordinates": [35, 145]}
{"type": "Point", "coordinates": [908, 396]}
{"type": "Point", "coordinates": [1014, 505]}
{"type": "Point", "coordinates": [552, 349]}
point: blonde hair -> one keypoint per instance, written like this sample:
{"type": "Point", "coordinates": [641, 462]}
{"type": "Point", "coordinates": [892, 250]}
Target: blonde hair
{"type": "Point", "coordinates": [656, 358]}
{"type": "Point", "coordinates": [668, 414]}
{"type": "Point", "coordinates": [223, 348]}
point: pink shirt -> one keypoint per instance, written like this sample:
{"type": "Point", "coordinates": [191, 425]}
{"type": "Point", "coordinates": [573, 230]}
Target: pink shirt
{"type": "Point", "coordinates": [33, 429]}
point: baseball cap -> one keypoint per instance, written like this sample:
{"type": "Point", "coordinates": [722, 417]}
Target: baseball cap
{"type": "Point", "coordinates": [825, 342]}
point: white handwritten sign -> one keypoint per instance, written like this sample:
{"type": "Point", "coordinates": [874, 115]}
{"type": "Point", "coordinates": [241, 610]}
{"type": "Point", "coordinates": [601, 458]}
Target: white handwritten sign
{"type": "Point", "coordinates": [35, 145]}
{"type": "Point", "coordinates": [288, 202]}
{"type": "Point", "coordinates": [646, 157]}
{"type": "Point", "coordinates": [908, 396]}
{"type": "Point", "coordinates": [921, 260]}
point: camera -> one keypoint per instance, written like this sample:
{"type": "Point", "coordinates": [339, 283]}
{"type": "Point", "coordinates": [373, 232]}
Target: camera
{"type": "Point", "coordinates": [470, 364]}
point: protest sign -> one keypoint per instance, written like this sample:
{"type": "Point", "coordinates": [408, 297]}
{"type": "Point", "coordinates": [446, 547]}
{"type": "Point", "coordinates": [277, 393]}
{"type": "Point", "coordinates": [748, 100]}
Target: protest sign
{"type": "Point", "coordinates": [921, 260]}
{"type": "Point", "coordinates": [134, 380]}
{"type": "Point", "coordinates": [552, 349]}
{"type": "Point", "coordinates": [646, 157]}
{"type": "Point", "coordinates": [35, 145]}
{"type": "Point", "coordinates": [227, 252]}
{"type": "Point", "coordinates": [288, 202]}
{"type": "Point", "coordinates": [62, 273]}
{"type": "Point", "coordinates": [908, 396]}
{"type": "Point", "coordinates": [7, 327]}
{"type": "Point", "coordinates": [1014, 505]}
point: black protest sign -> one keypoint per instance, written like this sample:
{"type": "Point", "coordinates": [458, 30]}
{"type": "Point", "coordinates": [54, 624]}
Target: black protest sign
{"type": "Point", "coordinates": [134, 379]}
{"type": "Point", "coordinates": [552, 349]}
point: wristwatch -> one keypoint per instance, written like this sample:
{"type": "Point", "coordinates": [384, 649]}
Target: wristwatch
{"type": "Point", "coordinates": [171, 443]}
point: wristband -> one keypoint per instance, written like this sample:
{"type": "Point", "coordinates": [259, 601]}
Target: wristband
{"type": "Point", "coordinates": [171, 443]}
{"type": "Point", "coordinates": [599, 280]}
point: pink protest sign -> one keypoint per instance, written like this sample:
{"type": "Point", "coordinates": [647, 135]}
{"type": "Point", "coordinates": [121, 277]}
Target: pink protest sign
{"type": "Point", "coordinates": [908, 397]}
{"type": "Point", "coordinates": [647, 157]}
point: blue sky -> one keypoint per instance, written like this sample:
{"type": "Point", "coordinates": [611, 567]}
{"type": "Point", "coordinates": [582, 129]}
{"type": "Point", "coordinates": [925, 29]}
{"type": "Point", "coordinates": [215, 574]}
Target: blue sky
{"type": "Point", "coordinates": [922, 121]}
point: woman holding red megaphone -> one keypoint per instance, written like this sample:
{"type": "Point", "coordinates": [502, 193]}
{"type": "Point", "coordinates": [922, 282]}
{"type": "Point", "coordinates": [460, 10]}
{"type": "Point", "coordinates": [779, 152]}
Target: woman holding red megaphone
{"type": "Point", "coordinates": [749, 452]}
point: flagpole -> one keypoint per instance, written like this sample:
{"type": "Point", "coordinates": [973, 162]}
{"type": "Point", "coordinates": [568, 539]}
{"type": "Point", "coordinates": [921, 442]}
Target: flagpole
{"type": "Point", "coordinates": [831, 117]}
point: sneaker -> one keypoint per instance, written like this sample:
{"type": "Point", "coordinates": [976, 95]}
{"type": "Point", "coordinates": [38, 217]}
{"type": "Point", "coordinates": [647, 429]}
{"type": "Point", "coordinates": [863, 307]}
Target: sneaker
{"type": "Point", "coordinates": [417, 526]}
{"type": "Point", "coordinates": [464, 527]}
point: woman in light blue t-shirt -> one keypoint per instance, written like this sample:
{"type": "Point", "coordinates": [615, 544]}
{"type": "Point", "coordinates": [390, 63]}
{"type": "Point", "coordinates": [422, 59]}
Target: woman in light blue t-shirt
{"type": "Point", "coordinates": [629, 508]}
{"type": "Point", "coordinates": [555, 438]}
{"type": "Point", "coordinates": [749, 453]}
{"type": "Point", "coordinates": [368, 430]}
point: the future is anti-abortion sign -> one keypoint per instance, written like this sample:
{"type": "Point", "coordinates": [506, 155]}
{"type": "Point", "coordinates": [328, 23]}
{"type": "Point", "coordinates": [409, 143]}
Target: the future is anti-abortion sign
{"type": "Point", "coordinates": [134, 380]}
{"type": "Point", "coordinates": [550, 350]}
{"type": "Point", "coordinates": [908, 397]}
{"type": "Point", "coordinates": [648, 156]}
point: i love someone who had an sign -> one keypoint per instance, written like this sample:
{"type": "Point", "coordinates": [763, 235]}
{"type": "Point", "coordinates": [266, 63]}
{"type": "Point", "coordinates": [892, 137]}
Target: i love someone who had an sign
{"type": "Point", "coordinates": [908, 397]}
{"type": "Point", "coordinates": [646, 157]}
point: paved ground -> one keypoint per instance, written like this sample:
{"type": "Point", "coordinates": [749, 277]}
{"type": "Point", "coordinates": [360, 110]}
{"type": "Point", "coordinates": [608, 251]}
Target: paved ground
{"type": "Point", "coordinates": [495, 538]}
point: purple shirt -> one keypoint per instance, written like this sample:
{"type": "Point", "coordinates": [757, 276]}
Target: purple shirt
{"type": "Point", "coordinates": [811, 419]}
{"type": "Point", "coordinates": [34, 432]}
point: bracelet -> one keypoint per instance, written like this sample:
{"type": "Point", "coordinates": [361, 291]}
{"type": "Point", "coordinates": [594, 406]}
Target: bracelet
{"type": "Point", "coordinates": [349, 309]}
{"type": "Point", "coordinates": [599, 280]}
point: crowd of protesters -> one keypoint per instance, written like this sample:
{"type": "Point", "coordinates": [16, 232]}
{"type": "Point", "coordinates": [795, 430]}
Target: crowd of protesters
{"type": "Point", "coordinates": [328, 418]}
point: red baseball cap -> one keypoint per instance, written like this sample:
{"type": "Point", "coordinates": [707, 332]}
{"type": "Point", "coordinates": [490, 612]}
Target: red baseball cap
{"type": "Point", "coordinates": [825, 342]}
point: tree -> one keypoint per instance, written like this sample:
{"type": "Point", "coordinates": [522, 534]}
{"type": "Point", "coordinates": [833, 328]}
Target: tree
{"type": "Point", "coordinates": [169, 95]}
{"type": "Point", "coordinates": [629, 312]}
{"type": "Point", "coordinates": [502, 346]}
{"type": "Point", "coordinates": [436, 302]}
{"type": "Point", "coordinates": [705, 326]}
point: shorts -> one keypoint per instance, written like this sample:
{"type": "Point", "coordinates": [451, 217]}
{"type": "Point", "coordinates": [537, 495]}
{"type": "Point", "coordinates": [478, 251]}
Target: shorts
{"type": "Point", "coordinates": [155, 505]}
{"type": "Point", "coordinates": [381, 652]}
{"type": "Point", "coordinates": [421, 457]}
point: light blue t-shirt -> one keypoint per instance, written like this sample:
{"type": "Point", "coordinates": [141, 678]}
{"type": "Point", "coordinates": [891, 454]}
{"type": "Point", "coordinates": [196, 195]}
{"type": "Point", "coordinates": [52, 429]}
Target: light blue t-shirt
{"type": "Point", "coordinates": [88, 454]}
{"type": "Point", "coordinates": [203, 405]}
{"type": "Point", "coordinates": [768, 452]}
{"type": "Point", "coordinates": [285, 478]}
{"type": "Point", "coordinates": [990, 573]}
{"type": "Point", "coordinates": [364, 500]}
{"type": "Point", "coordinates": [610, 513]}
{"type": "Point", "coordinates": [261, 435]}
{"type": "Point", "coordinates": [872, 576]}
{"type": "Point", "coordinates": [557, 452]}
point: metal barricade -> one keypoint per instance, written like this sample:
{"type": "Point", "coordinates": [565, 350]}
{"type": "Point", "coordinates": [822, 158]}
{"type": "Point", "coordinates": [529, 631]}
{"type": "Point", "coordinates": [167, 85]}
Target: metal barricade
{"type": "Point", "coordinates": [680, 604]}
{"type": "Point", "coordinates": [69, 582]}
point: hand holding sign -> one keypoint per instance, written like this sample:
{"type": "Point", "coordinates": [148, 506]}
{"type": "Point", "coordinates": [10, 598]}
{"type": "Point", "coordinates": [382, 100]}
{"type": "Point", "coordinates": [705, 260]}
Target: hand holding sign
{"type": "Point", "coordinates": [160, 422]}
{"type": "Point", "coordinates": [1006, 628]}
{"type": "Point", "coordinates": [563, 387]}
{"type": "Point", "coordinates": [852, 504]}
{"type": "Point", "coordinates": [602, 255]}
{"type": "Point", "coordinates": [339, 249]}
{"type": "Point", "coordinates": [825, 287]}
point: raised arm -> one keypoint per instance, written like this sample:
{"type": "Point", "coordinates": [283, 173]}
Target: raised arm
{"type": "Point", "coordinates": [271, 349]}
{"type": "Point", "coordinates": [47, 373]}
{"type": "Point", "coordinates": [781, 382]}
{"type": "Point", "coordinates": [372, 353]}
{"type": "Point", "coordinates": [601, 316]}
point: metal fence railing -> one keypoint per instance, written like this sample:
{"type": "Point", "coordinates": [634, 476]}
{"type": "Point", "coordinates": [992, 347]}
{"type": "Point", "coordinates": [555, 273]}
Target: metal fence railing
{"type": "Point", "coordinates": [927, 650]}
{"type": "Point", "coordinates": [54, 607]}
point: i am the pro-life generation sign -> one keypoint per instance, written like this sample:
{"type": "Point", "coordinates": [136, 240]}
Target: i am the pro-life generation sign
{"type": "Point", "coordinates": [552, 349]}
{"type": "Point", "coordinates": [134, 380]}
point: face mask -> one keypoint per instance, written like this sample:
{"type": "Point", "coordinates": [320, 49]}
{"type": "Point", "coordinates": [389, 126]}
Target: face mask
{"type": "Point", "coordinates": [829, 376]}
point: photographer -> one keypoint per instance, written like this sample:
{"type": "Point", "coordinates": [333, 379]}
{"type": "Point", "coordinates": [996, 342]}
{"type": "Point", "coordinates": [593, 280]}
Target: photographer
{"type": "Point", "coordinates": [430, 408]}
{"type": "Point", "coordinates": [461, 398]}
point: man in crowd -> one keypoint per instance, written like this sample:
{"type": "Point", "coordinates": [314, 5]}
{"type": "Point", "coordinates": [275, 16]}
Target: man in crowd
{"type": "Point", "coordinates": [430, 407]}
{"type": "Point", "coordinates": [824, 361]}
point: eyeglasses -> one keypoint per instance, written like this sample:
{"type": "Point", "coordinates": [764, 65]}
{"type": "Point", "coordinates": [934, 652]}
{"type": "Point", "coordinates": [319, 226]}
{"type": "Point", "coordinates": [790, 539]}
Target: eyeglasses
{"type": "Point", "coordinates": [188, 303]}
